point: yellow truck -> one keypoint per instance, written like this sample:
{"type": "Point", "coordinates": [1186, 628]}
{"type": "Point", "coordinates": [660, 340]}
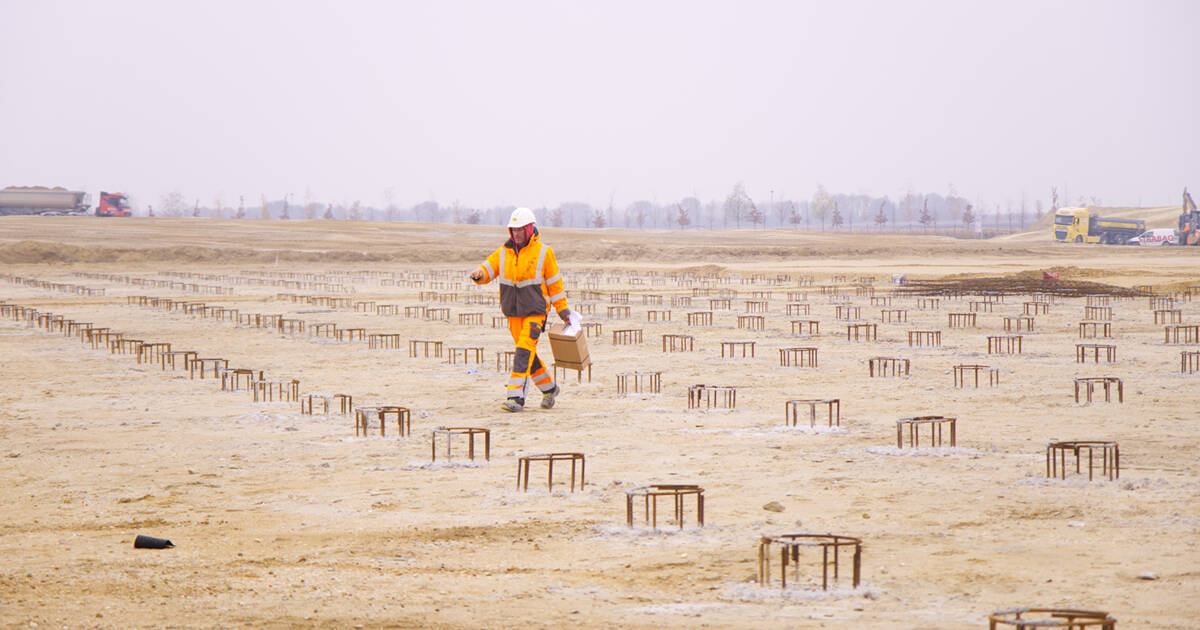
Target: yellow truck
{"type": "Point", "coordinates": [1082, 225]}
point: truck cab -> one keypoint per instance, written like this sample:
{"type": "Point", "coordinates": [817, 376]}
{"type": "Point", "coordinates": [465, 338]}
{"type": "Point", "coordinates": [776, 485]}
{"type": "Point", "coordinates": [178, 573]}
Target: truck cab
{"type": "Point", "coordinates": [113, 205]}
{"type": "Point", "coordinates": [1070, 225]}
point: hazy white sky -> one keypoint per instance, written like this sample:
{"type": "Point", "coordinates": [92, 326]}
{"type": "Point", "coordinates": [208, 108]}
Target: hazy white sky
{"type": "Point", "coordinates": [540, 102]}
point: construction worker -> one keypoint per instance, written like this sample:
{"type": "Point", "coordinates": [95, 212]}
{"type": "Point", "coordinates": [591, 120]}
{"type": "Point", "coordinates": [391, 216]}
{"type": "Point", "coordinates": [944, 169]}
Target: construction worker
{"type": "Point", "coordinates": [529, 284]}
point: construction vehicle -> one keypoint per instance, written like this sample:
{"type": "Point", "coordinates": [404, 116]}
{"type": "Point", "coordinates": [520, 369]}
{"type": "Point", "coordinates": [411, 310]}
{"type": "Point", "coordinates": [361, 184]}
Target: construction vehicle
{"type": "Point", "coordinates": [1189, 221]}
{"type": "Point", "coordinates": [113, 205]}
{"type": "Point", "coordinates": [42, 200]}
{"type": "Point", "coordinates": [1082, 225]}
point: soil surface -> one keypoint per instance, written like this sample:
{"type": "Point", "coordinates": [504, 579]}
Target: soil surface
{"type": "Point", "coordinates": [283, 519]}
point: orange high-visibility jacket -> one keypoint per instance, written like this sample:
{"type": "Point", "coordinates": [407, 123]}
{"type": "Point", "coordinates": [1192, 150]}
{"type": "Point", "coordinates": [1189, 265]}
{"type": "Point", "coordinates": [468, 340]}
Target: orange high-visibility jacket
{"type": "Point", "coordinates": [529, 278]}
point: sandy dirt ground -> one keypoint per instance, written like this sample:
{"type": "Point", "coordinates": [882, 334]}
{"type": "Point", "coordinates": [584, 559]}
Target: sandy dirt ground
{"type": "Point", "coordinates": [289, 520]}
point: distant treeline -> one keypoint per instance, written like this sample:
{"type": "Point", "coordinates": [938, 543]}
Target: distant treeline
{"type": "Point", "coordinates": [932, 212]}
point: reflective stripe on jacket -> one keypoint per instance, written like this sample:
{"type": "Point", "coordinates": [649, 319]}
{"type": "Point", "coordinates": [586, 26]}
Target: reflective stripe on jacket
{"type": "Point", "coordinates": [529, 278]}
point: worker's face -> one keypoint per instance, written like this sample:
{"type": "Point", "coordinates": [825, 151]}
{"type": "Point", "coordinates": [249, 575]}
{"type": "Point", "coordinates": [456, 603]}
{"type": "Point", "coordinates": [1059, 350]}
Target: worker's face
{"type": "Point", "coordinates": [519, 237]}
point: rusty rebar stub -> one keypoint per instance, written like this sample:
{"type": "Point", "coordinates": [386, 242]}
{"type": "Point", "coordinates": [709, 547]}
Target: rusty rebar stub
{"type": "Point", "coordinates": [751, 322]}
{"type": "Point", "coordinates": [937, 426]}
{"type": "Point", "coordinates": [833, 411]}
{"type": "Point", "coordinates": [1028, 618]}
{"type": "Point", "coordinates": [524, 462]}
{"type": "Point", "coordinates": [919, 338]}
{"type": "Point", "coordinates": [1108, 384]}
{"type": "Point", "coordinates": [363, 417]}
{"type": "Point", "coordinates": [678, 343]}
{"type": "Point", "coordinates": [710, 396]}
{"type": "Point", "coordinates": [650, 495]}
{"type": "Point", "coordinates": [639, 383]}
{"type": "Point", "coordinates": [627, 336]}
{"type": "Point", "coordinates": [1181, 334]}
{"type": "Point", "coordinates": [429, 348]}
{"type": "Point", "coordinates": [734, 346]}
{"type": "Point", "coordinates": [1189, 361]}
{"type": "Point", "coordinates": [960, 320]}
{"type": "Point", "coordinates": [1004, 344]}
{"type": "Point", "coordinates": [789, 552]}
{"type": "Point", "coordinates": [1096, 350]}
{"type": "Point", "coordinates": [806, 327]}
{"type": "Point", "coordinates": [960, 375]}
{"type": "Point", "coordinates": [862, 332]}
{"type": "Point", "coordinates": [1093, 330]}
{"type": "Point", "coordinates": [468, 354]}
{"type": "Point", "coordinates": [800, 356]}
{"type": "Point", "coordinates": [470, 433]}
{"type": "Point", "coordinates": [888, 367]}
{"type": "Point", "coordinates": [1110, 458]}
{"type": "Point", "coordinates": [271, 391]}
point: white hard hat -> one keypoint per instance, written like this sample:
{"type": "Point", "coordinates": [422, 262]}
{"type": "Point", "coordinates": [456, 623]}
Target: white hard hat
{"type": "Point", "coordinates": [521, 217]}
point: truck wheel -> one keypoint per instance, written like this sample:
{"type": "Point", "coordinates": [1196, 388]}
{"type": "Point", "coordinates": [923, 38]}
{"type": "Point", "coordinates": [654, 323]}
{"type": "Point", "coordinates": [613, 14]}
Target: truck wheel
{"type": "Point", "coordinates": [1078, 239]}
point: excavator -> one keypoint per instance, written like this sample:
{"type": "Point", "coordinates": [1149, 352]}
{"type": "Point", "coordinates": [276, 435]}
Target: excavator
{"type": "Point", "coordinates": [1189, 221]}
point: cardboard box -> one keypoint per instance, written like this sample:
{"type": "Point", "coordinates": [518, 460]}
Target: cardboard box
{"type": "Point", "coordinates": [567, 349]}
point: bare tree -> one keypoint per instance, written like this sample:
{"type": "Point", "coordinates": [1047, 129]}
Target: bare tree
{"type": "Point", "coordinates": [172, 204]}
{"type": "Point", "coordinates": [266, 210]}
{"type": "Point", "coordinates": [781, 211]}
{"type": "Point", "coordinates": [389, 202]}
{"type": "Point", "coordinates": [598, 220]}
{"type": "Point", "coordinates": [427, 211]}
{"type": "Point", "coordinates": [836, 219]}
{"type": "Point", "coordinates": [880, 217]}
{"type": "Point", "coordinates": [1053, 199]}
{"type": "Point", "coordinates": [953, 206]}
{"type": "Point", "coordinates": [926, 217]}
{"type": "Point", "coordinates": [821, 204]}
{"type": "Point", "coordinates": [968, 216]}
{"type": "Point", "coordinates": [755, 215]}
{"type": "Point", "coordinates": [218, 207]}
{"type": "Point", "coordinates": [793, 214]}
{"type": "Point", "coordinates": [328, 212]}
{"type": "Point", "coordinates": [311, 207]}
{"type": "Point", "coordinates": [910, 206]}
{"type": "Point", "coordinates": [556, 216]}
{"type": "Point", "coordinates": [196, 208]}
{"type": "Point", "coordinates": [737, 204]}
{"type": "Point", "coordinates": [241, 211]}
{"type": "Point", "coordinates": [355, 211]}
{"type": "Point", "coordinates": [710, 210]}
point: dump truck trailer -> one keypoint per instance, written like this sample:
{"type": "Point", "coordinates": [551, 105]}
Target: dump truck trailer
{"type": "Point", "coordinates": [1082, 225]}
{"type": "Point", "coordinates": [41, 200]}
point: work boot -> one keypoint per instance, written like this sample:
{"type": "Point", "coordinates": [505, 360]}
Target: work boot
{"type": "Point", "coordinates": [513, 404]}
{"type": "Point", "coordinates": [548, 398]}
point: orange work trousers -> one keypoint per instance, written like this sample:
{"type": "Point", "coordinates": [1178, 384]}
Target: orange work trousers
{"type": "Point", "coordinates": [526, 364]}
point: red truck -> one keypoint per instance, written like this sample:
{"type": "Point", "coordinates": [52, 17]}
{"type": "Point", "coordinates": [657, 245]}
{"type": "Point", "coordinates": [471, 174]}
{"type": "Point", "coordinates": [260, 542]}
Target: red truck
{"type": "Point", "coordinates": [113, 205]}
